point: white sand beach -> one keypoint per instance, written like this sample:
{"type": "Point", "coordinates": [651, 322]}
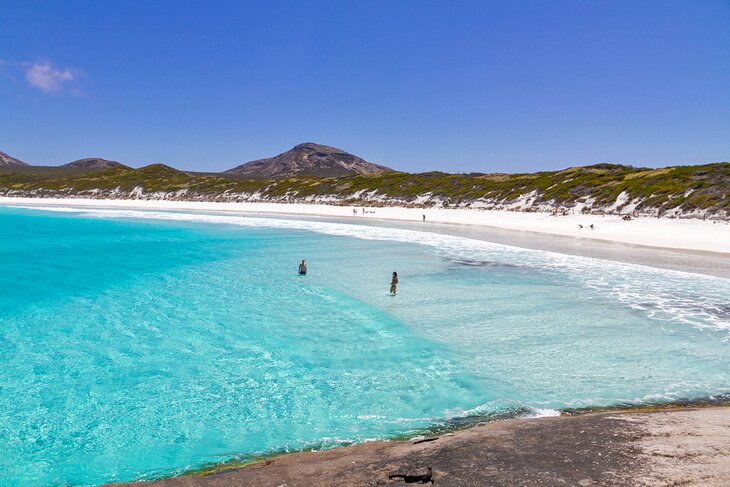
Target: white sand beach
{"type": "Point", "coordinates": [689, 234]}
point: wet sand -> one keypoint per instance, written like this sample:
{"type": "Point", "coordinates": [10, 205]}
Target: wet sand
{"type": "Point", "coordinates": [483, 225]}
{"type": "Point", "coordinates": [688, 234]}
{"type": "Point", "coordinates": [692, 261]}
{"type": "Point", "coordinates": [687, 447]}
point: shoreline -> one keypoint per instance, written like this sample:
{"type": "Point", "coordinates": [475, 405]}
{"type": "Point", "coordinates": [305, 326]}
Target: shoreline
{"type": "Point", "coordinates": [677, 446]}
{"type": "Point", "coordinates": [672, 234]}
{"type": "Point", "coordinates": [459, 425]}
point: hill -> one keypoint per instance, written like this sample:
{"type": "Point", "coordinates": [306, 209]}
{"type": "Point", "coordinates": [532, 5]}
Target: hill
{"type": "Point", "coordinates": [93, 163]}
{"type": "Point", "coordinates": [7, 161]}
{"type": "Point", "coordinates": [308, 159]}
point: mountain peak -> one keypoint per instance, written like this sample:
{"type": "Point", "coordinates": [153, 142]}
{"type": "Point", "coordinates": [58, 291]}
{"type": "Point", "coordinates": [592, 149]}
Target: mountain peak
{"type": "Point", "coordinates": [316, 147]}
{"type": "Point", "coordinates": [308, 159]}
{"type": "Point", "coordinates": [6, 160]}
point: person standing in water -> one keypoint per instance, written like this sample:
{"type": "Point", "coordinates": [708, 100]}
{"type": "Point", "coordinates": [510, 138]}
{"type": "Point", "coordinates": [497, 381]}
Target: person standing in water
{"type": "Point", "coordinates": [393, 283]}
{"type": "Point", "coordinates": [303, 268]}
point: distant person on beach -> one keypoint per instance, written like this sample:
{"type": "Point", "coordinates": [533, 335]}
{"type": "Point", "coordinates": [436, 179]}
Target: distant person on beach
{"type": "Point", "coordinates": [354, 211]}
{"type": "Point", "coordinates": [591, 226]}
{"type": "Point", "coordinates": [424, 218]}
{"type": "Point", "coordinates": [303, 268]}
{"type": "Point", "coordinates": [393, 283]}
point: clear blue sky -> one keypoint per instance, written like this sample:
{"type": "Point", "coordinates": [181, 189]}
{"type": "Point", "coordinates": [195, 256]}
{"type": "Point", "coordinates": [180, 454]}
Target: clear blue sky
{"type": "Point", "coordinates": [417, 85]}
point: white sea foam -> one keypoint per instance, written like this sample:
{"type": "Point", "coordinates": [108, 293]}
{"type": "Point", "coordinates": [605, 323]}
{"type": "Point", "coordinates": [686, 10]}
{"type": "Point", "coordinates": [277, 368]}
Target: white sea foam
{"type": "Point", "coordinates": [60, 209]}
{"type": "Point", "coordinates": [660, 294]}
{"type": "Point", "coordinates": [502, 408]}
{"type": "Point", "coordinates": [545, 413]}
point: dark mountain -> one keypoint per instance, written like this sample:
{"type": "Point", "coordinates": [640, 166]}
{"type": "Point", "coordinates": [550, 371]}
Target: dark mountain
{"type": "Point", "coordinates": [308, 160]}
{"type": "Point", "coordinates": [93, 163]}
{"type": "Point", "coordinates": [6, 161]}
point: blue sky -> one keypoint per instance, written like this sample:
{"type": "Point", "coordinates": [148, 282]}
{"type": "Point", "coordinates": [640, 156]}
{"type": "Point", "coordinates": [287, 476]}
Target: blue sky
{"type": "Point", "coordinates": [416, 85]}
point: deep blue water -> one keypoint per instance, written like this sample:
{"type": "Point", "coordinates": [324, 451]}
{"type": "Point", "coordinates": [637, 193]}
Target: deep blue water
{"type": "Point", "coordinates": [136, 344]}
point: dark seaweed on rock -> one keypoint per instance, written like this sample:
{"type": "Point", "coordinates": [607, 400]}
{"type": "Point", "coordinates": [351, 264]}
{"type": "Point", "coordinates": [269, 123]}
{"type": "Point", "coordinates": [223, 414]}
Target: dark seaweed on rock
{"type": "Point", "coordinates": [679, 403]}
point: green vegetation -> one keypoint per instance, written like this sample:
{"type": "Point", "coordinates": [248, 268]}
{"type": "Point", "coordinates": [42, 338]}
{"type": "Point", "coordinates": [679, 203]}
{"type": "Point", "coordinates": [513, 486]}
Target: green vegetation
{"type": "Point", "coordinates": [688, 188]}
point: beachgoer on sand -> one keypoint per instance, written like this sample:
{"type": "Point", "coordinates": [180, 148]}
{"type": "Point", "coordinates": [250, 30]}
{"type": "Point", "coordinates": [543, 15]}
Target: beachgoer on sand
{"type": "Point", "coordinates": [303, 268]}
{"type": "Point", "coordinates": [424, 218]}
{"type": "Point", "coordinates": [393, 283]}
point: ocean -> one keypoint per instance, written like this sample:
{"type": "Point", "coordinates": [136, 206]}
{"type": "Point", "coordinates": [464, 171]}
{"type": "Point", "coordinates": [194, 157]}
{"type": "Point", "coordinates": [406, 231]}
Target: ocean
{"type": "Point", "coordinates": [138, 344]}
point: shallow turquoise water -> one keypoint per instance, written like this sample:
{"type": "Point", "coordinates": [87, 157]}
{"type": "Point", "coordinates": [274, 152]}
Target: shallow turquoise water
{"type": "Point", "coordinates": [136, 344]}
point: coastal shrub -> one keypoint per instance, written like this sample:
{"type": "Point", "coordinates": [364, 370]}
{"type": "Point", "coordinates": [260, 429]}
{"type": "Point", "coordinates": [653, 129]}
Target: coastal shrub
{"type": "Point", "coordinates": [705, 187]}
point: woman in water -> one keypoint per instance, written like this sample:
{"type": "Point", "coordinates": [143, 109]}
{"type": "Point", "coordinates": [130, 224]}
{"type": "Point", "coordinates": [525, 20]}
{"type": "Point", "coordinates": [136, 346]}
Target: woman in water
{"type": "Point", "coordinates": [393, 283]}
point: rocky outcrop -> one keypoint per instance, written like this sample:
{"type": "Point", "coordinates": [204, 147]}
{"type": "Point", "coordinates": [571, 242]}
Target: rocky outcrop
{"type": "Point", "coordinates": [651, 448]}
{"type": "Point", "coordinates": [8, 161]}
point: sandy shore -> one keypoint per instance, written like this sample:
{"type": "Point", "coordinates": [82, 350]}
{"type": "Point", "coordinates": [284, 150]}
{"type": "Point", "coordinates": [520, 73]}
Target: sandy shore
{"type": "Point", "coordinates": [689, 447]}
{"type": "Point", "coordinates": [688, 234]}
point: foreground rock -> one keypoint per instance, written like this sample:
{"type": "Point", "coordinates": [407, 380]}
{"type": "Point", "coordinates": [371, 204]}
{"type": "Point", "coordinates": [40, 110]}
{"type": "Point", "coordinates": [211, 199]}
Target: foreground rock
{"type": "Point", "coordinates": [659, 448]}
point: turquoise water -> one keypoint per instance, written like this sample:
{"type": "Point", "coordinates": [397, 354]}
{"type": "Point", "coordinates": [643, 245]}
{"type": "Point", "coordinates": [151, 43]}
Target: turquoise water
{"type": "Point", "coordinates": [137, 344]}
